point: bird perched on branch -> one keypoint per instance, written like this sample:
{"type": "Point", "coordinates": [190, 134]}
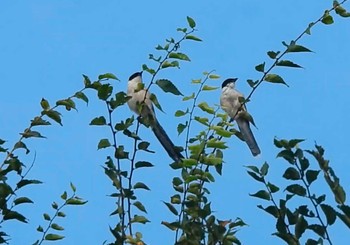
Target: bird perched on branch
{"type": "Point", "coordinates": [140, 103]}
{"type": "Point", "coordinates": [231, 103]}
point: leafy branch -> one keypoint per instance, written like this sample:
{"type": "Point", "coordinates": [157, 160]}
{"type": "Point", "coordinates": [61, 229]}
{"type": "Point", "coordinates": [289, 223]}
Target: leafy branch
{"type": "Point", "coordinates": [292, 47]}
{"type": "Point", "coordinates": [72, 200]}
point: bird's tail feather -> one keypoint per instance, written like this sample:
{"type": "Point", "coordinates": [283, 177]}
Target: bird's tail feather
{"type": "Point", "coordinates": [248, 136]}
{"type": "Point", "coordinates": [166, 142]}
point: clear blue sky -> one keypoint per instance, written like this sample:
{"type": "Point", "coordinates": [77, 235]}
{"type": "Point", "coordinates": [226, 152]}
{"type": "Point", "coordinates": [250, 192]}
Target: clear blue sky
{"type": "Point", "coordinates": [47, 45]}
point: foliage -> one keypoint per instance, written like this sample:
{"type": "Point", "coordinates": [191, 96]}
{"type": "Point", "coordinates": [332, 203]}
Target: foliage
{"type": "Point", "coordinates": [206, 131]}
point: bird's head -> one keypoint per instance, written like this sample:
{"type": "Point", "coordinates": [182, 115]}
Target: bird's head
{"type": "Point", "coordinates": [230, 82]}
{"type": "Point", "coordinates": [136, 77]}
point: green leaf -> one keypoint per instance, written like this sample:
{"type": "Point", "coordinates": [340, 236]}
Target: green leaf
{"type": "Point", "coordinates": [82, 96]}
{"type": "Point", "coordinates": [252, 83]}
{"type": "Point", "coordinates": [46, 216]}
{"type": "Point", "coordinates": [190, 162]}
{"type": "Point", "coordinates": [215, 143]}
{"type": "Point", "coordinates": [214, 76]}
{"type": "Point", "coordinates": [264, 169]}
{"type": "Point", "coordinates": [95, 85]}
{"type": "Point", "coordinates": [61, 214]}
{"type": "Point", "coordinates": [296, 189]}
{"type": "Point", "coordinates": [294, 142]}
{"type": "Point", "coordinates": [194, 38]}
{"type": "Point", "coordinates": [21, 200]}
{"type": "Point", "coordinates": [87, 81]}
{"type": "Point", "coordinates": [300, 226]}
{"type": "Point", "coordinates": [191, 22]}
{"type": "Point", "coordinates": [38, 121]}
{"type": "Point", "coordinates": [143, 164]}
{"type": "Point", "coordinates": [149, 70]}
{"type": "Point", "coordinates": [206, 108]}
{"type": "Point", "coordinates": [273, 188]}
{"type": "Point", "coordinates": [274, 78]}
{"type": "Point", "coordinates": [75, 201]}
{"type": "Point", "coordinates": [57, 227]}
{"type": "Point", "coordinates": [171, 226]}
{"type": "Point", "coordinates": [175, 199]}
{"type": "Point", "coordinates": [330, 213]}
{"type": "Point", "coordinates": [341, 11]}
{"type": "Point", "coordinates": [254, 169]}
{"type": "Point", "coordinates": [318, 229]}
{"type": "Point", "coordinates": [179, 56]}
{"type": "Point", "coordinates": [287, 63]}
{"type": "Point", "coordinates": [180, 113]}
{"type": "Point", "coordinates": [40, 229]}
{"type": "Point", "coordinates": [5, 190]}
{"type": "Point", "coordinates": [167, 64]}
{"type": "Point", "coordinates": [64, 195]}
{"type": "Point", "coordinates": [21, 145]}
{"type": "Point", "coordinates": [209, 88]}
{"type": "Point", "coordinates": [262, 194]}
{"type": "Point", "coordinates": [202, 120]}
{"type": "Point", "coordinates": [256, 176]}
{"type": "Point", "coordinates": [313, 242]}
{"type": "Point", "coordinates": [140, 185]}
{"type": "Point", "coordinates": [53, 237]}
{"type": "Point", "coordinates": [25, 182]}
{"type": "Point", "coordinates": [72, 186]}
{"type": "Point", "coordinates": [271, 210]}
{"type": "Point", "coordinates": [292, 48]}
{"type": "Point", "coordinates": [44, 104]}
{"type": "Point", "coordinates": [168, 87]}
{"type": "Point", "coordinates": [181, 127]}
{"type": "Point", "coordinates": [327, 18]}
{"type": "Point", "coordinates": [140, 206]}
{"type": "Point", "coordinates": [143, 145]}
{"type": "Point", "coordinates": [14, 215]}
{"type": "Point", "coordinates": [104, 143]}
{"type": "Point", "coordinates": [288, 155]}
{"type": "Point", "coordinates": [29, 134]}
{"type": "Point", "coordinates": [185, 98]}
{"type": "Point", "coordinates": [120, 99]}
{"type": "Point", "coordinates": [68, 103]}
{"type": "Point", "coordinates": [139, 219]}
{"type": "Point", "coordinates": [273, 54]}
{"type": "Point", "coordinates": [260, 67]}
{"type": "Point", "coordinates": [291, 174]}
{"type": "Point", "coordinates": [54, 205]}
{"type": "Point", "coordinates": [54, 115]}
{"type": "Point", "coordinates": [304, 164]}
{"type": "Point", "coordinates": [184, 30]}
{"type": "Point", "coordinates": [171, 208]}
{"type": "Point", "coordinates": [107, 76]}
{"type": "Point", "coordinates": [177, 181]}
{"type": "Point", "coordinates": [104, 91]}
{"type": "Point", "coordinates": [280, 143]}
{"type": "Point", "coordinates": [155, 101]}
{"type": "Point", "coordinates": [311, 175]}
{"type": "Point", "coordinates": [221, 131]}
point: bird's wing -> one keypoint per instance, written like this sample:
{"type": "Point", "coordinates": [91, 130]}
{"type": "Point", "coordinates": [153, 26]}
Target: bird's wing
{"type": "Point", "coordinates": [244, 128]}
{"type": "Point", "coordinates": [166, 142]}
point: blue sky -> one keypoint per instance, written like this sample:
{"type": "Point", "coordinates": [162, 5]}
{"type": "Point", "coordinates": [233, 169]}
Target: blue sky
{"type": "Point", "coordinates": [47, 45]}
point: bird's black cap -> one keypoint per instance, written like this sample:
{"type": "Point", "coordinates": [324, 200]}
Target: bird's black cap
{"type": "Point", "coordinates": [136, 74]}
{"type": "Point", "coordinates": [227, 81]}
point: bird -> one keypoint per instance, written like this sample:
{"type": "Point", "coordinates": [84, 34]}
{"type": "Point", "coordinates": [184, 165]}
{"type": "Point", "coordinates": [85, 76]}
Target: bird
{"type": "Point", "coordinates": [141, 103]}
{"type": "Point", "coordinates": [231, 103]}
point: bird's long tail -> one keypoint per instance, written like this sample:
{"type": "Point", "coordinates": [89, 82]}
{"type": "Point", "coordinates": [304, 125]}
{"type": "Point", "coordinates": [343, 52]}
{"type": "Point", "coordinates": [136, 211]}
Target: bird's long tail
{"type": "Point", "coordinates": [248, 136]}
{"type": "Point", "coordinates": [166, 142]}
